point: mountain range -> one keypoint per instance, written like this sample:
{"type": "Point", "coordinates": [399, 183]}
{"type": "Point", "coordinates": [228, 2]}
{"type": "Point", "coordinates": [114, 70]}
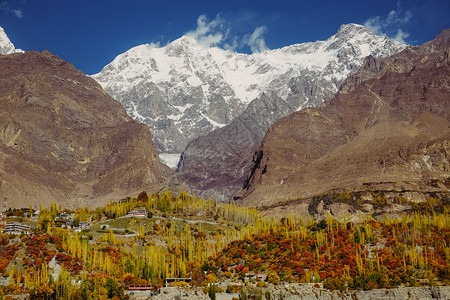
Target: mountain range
{"type": "Point", "coordinates": [184, 90]}
{"type": "Point", "coordinates": [63, 137]}
{"type": "Point", "coordinates": [387, 129]}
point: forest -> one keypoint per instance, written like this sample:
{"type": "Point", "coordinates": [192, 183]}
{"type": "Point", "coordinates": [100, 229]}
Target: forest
{"type": "Point", "coordinates": [210, 242]}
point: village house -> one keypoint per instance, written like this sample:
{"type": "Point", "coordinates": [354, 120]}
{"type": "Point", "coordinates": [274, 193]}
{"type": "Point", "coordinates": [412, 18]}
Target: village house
{"type": "Point", "coordinates": [138, 212]}
{"type": "Point", "coordinates": [261, 277]}
{"type": "Point", "coordinates": [16, 228]}
{"type": "Point", "coordinates": [26, 211]}
{"type": "Point", "coordinates": [84, 225]}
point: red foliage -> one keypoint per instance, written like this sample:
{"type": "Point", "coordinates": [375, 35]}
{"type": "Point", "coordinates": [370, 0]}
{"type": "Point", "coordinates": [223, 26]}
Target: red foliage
{"type": "Point", "coordinates": [37, 249]}
{"type": "Point", "coordinates": [291, 256]}
{"type": "Point", "coordinates": [114, 253]}
{"type": "Point", "coordinates": [131, 279]}
{"type": "Point", "coordinates": [7, 252]}
{"type": "Point", "coordinates": [72, 264]}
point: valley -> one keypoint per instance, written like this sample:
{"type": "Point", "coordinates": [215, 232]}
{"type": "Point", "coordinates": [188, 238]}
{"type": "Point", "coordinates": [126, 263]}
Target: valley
{"type": "Point", "coordinates": [221, 248]}
{"type": "Point", "coordinates": [325, 178]}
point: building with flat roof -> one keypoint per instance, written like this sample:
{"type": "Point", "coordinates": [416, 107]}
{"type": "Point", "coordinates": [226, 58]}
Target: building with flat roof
{"type": "Point", "coordinates": [16, 228]}
{"type": "Point", "coordinates": [138, 212]}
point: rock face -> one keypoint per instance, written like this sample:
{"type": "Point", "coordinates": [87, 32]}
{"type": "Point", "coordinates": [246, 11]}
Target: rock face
{"type": "Point", "coordinates": [216, 165]}
{"type": "Point", "coordinates": [185, 90]}
{"type": "Point", "coordinates": [388, 128]}
{"type": "Point", "coordinates": [63, 139]}
{"type": "Point", "coordinates": [311, 291]}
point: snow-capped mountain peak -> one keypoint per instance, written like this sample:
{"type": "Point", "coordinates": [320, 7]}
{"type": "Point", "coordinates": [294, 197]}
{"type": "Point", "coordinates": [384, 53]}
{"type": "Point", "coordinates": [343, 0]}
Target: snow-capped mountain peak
{"type": "Point", "coordinates": [6, 47]}
{"type": "Point", "coordinates": [184, 89]}
{"type": "Point", "coordinates": [351, 29]}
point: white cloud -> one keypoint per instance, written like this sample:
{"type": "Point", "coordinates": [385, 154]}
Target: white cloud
{"type": "Point", "coordinates": [209, 33]}
{"type": "Point", "coordinates": [217, 32]}
{"type": "Point", "coordinates": [374, 24]}
{"type": "Point", "coordinates": [255, 40]}
{"type": "Point", "coordinates": [5, 7]}
{"type": "Point", "coordinates": [400, 36]}
{"type": "Point", "coordinates": [394, 17]}
{"type": "Point", "coordinates": [390, 25]}
{"type": "Point", "coordinates": [18, 13]}
{"type": "Point", "coordinates": [233, 45]}
{"type": "Point", "coordinates": [155, 44]}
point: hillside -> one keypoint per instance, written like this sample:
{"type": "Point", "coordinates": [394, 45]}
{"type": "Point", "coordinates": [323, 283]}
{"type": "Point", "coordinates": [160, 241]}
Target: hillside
{"type": "Point", "coordinates": [220, 248]}
{"type": "Point", "coordinates": [217, 164]}
{"type": "Point", "coordinates": [387, 129]}
{"type": "Point", "coordinates": [62, 138]}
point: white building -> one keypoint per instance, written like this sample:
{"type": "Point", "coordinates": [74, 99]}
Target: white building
{"type": "Point", "coordinates": [138, 212]}
{"type": "Point", "coordinates": [16, 228]}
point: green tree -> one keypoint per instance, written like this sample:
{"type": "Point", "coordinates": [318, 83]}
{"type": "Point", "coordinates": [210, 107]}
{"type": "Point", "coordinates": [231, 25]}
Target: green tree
{"type": "Point", "coordinates": [243, 294]}
{"type": "Point", "coordinates": [212, 291]}
{"type": "Point", "coordinates": [114, 289]}
{"type": "Point", "coordinates": [148, 272]}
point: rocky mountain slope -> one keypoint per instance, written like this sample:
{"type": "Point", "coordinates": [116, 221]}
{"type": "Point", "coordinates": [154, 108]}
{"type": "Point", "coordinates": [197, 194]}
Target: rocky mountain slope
{"type": "Point", "coordinates": [387, 129]}
{"type": "Point", "coordinates": [63, 139]}
{"type": "Point", "coordinates": [184, 90]}
{"type": "Point", "coordinates": [216, 165]}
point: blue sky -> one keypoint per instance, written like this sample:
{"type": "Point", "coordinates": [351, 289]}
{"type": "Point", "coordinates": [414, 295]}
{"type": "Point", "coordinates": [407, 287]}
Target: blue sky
{"type": "Point", "coordinates": [90, 34]}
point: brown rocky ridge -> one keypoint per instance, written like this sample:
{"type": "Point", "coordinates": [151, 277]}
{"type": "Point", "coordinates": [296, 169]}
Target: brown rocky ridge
{"type": "Point", "coordinates": [387, 129]}
{"type": "Point", "coordinates": [63, 139]}
{"type": "Point", "coordinates": [217, 164]}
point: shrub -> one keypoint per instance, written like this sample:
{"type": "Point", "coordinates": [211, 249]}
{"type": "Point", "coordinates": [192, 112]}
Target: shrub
{"type": "Point", "coordinates": [180, 284]}
{"type": "Point", "coordinates": [273, 277]}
